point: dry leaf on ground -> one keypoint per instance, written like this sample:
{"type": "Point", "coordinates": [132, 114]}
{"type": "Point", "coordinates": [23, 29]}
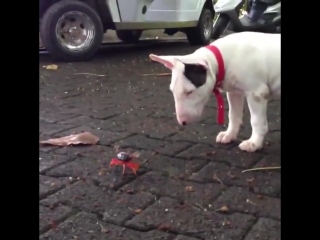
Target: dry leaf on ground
{"type": "Point", "coordinates": [51, 67]}
{"type": "Point", "coordinates": [223, 209]}
{"type": "Point", "coordinates": [86, 138]}
{"type": "Point", "coordinates": [189, 189]}
{"type": "Point", "coordinates": [137, 211]}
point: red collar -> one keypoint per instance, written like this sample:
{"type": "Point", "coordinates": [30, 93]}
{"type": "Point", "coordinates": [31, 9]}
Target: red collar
{"type": "Point", "coordinates": [219, 78]}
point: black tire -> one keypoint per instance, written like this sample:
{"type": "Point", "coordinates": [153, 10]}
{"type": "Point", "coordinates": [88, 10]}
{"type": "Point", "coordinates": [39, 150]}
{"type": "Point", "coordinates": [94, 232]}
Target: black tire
{"type": "Point", "coordinates": [196, 35]}
{"type": "Point", "coordinates": [129, 36]}
{"type": "Point", "coordinates": [220, 26]}
{"type": "Point", "coordinates": [49, 37]}
{"type": "Point", "coordinates": [248, 5]}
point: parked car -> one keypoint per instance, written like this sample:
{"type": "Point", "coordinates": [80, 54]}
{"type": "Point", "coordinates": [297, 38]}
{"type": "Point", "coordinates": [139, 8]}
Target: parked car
{"type": "Point", "coordinates": [73, 30]}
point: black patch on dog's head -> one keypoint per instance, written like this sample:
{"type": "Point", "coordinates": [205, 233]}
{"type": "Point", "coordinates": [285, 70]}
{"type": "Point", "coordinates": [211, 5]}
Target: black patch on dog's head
{"type": "Point", "coordinates": [196, 74]}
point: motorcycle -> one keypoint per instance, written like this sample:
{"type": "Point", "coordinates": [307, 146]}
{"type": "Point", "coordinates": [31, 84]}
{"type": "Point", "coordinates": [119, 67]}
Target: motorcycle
{"type": "Point", "coordinates": [228, 12]}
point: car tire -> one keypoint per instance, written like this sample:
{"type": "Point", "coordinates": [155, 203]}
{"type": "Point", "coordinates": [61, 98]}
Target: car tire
{"type": "Point", "coordinates": [54, 34]}
{"type": "Point", "coordinates": [201, 34]}
{"type": "Point", "coordinates": [219, 26]}
{"type": "Point", "coordinates": [129, 36]}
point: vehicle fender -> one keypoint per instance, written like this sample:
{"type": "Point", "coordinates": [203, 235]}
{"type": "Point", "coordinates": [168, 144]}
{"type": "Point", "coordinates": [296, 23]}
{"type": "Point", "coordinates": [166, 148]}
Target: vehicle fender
{"type": "Point", "coordinates": [101, 6]}
{"type": "Point", "coordinates": [209, 5]}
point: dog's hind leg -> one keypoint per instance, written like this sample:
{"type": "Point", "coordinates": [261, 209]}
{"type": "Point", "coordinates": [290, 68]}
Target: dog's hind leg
{"type": "Point", "coordinates": [236, 102]}
{"type": "Point", "coordinates": [257, 102]}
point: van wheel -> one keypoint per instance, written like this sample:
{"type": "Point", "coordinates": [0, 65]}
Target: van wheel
{"type": "Point", "coordinates": [129, 36]}
{"type": "Point", "coordinates": [201, 34]}
{"type": "Point", "coordinates": [71, 30]}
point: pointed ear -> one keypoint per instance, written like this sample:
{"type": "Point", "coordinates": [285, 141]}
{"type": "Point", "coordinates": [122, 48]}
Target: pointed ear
{"type": "Point", "coordinates": [167, 61]}
{"type": "Point", "coordinates": [192, 59]}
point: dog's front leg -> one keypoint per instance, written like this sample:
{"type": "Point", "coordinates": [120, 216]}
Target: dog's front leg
{"type": "Point", "coordinates": [257, 103]}
{"type": "Point", "coordinates": [236, 102]}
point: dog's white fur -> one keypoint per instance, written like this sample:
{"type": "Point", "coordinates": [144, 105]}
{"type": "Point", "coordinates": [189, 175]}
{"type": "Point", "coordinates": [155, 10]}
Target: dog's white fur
{"type": "Point", "coordinates": [252, 70]}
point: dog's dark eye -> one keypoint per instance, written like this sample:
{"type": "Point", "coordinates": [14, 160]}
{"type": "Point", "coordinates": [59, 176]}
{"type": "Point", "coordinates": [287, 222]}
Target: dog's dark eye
{"type": "Point", "coordinates": [188, 93]}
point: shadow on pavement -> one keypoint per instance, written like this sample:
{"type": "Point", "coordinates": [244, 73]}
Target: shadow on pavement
{"type": "Point", "coordinates": [116, 50]}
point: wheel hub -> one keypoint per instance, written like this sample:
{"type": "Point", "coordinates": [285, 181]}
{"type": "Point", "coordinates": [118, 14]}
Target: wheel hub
{"type": "Point", "coordinates": [207, 27]}
{"type": "Point", "coordinates": [75, 31]}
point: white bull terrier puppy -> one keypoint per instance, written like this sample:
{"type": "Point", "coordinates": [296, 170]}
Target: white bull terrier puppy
{"type": "Point", "coordinates": [243, 64]}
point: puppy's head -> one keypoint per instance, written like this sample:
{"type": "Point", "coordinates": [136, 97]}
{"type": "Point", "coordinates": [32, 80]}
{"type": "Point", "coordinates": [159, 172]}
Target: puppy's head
{"type": "Point", "coordinates": [191, 84]}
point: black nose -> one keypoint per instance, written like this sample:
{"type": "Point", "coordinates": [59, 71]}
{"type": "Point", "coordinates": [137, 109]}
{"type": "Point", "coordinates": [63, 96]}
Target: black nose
{"type": "Point", "coordinates": [184, 123]}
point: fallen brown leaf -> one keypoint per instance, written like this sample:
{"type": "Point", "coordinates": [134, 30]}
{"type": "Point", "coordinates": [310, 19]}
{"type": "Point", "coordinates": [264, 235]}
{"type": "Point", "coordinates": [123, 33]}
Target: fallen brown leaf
{"type": "Point", "coordinates": [51, 67]}
{"type": "Point", "coordinates": [103, 229]}
{"type": "Point", "coordinates": [137, 211]}
{"type": "Point", "coordinates": [222, 209]}
{"type": "Point", "coordinates": [102, 171]}
{"type": "Point", "coordinates": [86, 138]}
{"type": "Point", "coordinates": [249, 201]}
{"type": "Point", "coordinates": [231, 175]}
{"type": "Point", "coordinates": [226, 223]}
{"type": "Point", "coordinates": [250, 180]}
{"type": "Point", "coordinates": [189, 189]}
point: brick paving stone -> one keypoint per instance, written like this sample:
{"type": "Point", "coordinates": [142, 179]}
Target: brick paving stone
{"type": "Point", "coordinates": [274, 122]}
{"type": "Point", "coordinates": [49, 218]}
{"type": "Point", "coordinates": [95, 151]}
{"type": "Point", "coordinates": [49, 185]}
{"type": "Point", "coordinates": [168, 166]}
{"type": "Point", "coordinates": [269, 161]}
{"type": "Point", "coordinates": [79, 167]}
{"type": "Point", "coordinates": [127, 117]}
{"type": "Point", "coordinates": [94, 112]}
{"type": "Point", "coordinates": [106, 137]}
{"type": "Point", "coordinates": [53, 117]}
{"type": "Point", "coordinates": [210, 111]}
{"type": "Point", "coordinates": [234, 157]}
{"type": "Point", "coordinates": [46, 148]}
{"type": "Point", "coordinates": [266, 182]}
{"type": "Point", "coordinates": [115, 207]}
{"type": "Point", "coordinates": [170, 214]}
{"type": "Point", "coordinates": [184, 191]}
{"type": "Point", "coordinates": [241, 200]}
{"type": "Point", "coordinates": [86, 121]}
{"type": "Point", "coordinates": [181, 237]}
{"type": "Point", "coordinates": [85, 226]}
{"type": "Point", "coordinates": [165, 111]}
{"type": "Point", "coordinates": [200, 133]}
{"type": "Point", "coordinates": [51, 129]}
{"type": "Point", "coordinates": [272, 143]}
{"type": "Point", "coordinates": [94, 169]}
{"type": "Point", "coordinates": [201, 151]}
{"type": "Point", "coordinates": [163, 147]}
{"type": "Point", "coordinates": [154, 128]}
{"type": "Point", "coordinates": [48, 161]}
{"type": "Point", "coordinates": [265, 229]}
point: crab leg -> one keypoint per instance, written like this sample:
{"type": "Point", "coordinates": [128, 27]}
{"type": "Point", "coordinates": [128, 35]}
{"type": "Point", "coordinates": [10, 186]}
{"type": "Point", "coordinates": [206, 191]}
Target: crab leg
{"type": "Point", "coordinates": [123, 169]}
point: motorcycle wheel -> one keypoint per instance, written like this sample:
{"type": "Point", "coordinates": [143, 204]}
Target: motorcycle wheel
{"type": "Point", "coordinates": [219, 26]}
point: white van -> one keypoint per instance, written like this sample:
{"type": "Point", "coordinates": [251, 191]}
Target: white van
{"type": "Point", "coordinates": [73, 30]}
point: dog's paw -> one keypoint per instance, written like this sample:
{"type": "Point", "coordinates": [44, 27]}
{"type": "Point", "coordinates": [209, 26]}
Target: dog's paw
{"type": "Point", "coordinates": [225, 137]}
{"type": "Point", "coordinates": [250, 146]}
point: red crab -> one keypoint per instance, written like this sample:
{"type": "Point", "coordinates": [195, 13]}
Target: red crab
{"type": "Point", "coordinates": [124, 159]}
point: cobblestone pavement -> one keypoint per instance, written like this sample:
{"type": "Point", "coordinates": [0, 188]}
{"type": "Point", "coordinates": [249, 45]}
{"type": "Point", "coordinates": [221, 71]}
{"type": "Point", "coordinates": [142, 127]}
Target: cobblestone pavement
{"type": "Point", "coordinates": [188, 187]}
